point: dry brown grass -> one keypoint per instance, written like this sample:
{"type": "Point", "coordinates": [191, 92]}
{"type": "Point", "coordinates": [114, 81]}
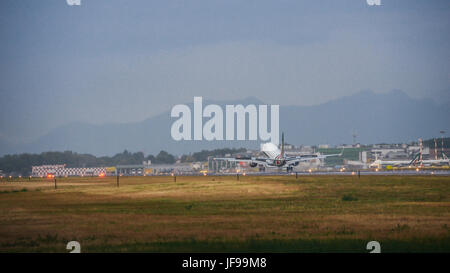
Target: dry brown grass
{"type": "Point", "coordinates": [157, 210]}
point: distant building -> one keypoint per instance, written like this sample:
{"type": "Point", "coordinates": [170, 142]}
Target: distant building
{"type": "Point", "coordinates": [396, 155]}
{"type": "Point", "coordinates": [221, 165]}
{"type": "Point", "coordinates": [382, 152]}
{"type": "Point", "coordinates": [179, 168]}
{"type": "Point", "coordinates": [413, 149]}
{"type": "Point", "coordinates": [288, 147]}
{"type": "Point", "coordinates": [305, 149]}
{"type": "Point", "coordinates": [437, 153]}
{"type": "Point", "coordinates": [363, 156]}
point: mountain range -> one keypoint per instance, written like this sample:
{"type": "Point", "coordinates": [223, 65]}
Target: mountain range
{"type": "Point", "coordinates": [391, 117]}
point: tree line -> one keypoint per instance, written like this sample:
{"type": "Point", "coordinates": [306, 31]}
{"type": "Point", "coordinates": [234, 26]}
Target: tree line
{"type": "Point", "coordinates": [20, 164]}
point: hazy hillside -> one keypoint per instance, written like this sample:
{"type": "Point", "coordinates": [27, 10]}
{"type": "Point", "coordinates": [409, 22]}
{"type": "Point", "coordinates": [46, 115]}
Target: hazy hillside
{"type": "Point", "coordinates": [376, 118]}
{"type": "Point", "coordinates": [391, 117]}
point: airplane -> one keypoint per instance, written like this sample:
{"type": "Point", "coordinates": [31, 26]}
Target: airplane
{"type": "Point", "coordinates": [442, 161]}
{"type": "Point", "coordinates": [378, 163]}
{"type": "Point", "coordinates": [416, 161]}
{"type": "Point", "coordinates": [276, 158]}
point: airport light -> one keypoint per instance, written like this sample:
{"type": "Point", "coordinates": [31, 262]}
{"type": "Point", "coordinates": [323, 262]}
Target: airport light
{"type": "Point", "coordinates": [417, 169]}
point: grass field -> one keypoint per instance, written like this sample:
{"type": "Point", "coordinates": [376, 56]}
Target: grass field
{"type": "Point", "coordinates": [221, 214]}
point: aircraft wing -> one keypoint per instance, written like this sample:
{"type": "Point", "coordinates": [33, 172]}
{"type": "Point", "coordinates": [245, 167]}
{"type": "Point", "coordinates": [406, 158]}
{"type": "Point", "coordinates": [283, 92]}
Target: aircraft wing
{"type": "Point", "coordinates": [233, 159]}
{"type": "Point", "coordinates": [243, 159]}
{"type": "Point", "coordinates": [339, 154]}
{"type": "Point", "coordinates": [305, 158]}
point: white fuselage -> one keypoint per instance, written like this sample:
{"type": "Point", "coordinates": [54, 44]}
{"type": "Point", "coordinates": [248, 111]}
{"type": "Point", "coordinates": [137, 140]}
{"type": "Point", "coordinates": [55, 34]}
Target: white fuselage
{"type": "Point", "coordinates": [379, 163]}
{"type": "Point", "coordinates": [270, 150]}
{"type": "Point", "coordinates": [275, 159]}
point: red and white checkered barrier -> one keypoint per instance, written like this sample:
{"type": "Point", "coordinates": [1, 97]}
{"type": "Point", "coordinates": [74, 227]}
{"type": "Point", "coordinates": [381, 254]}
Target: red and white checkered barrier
{"type": "Point", "coordinates": [61, 170]}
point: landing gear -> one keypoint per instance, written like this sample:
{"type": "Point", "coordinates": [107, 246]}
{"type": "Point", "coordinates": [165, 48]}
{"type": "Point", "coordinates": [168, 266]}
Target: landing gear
{"type": "Point", "coordinates": [289, 169]}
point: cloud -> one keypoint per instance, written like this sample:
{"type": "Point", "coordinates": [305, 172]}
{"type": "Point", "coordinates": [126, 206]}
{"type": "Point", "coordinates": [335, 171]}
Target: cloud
{"type": "Point", "coordinates": [127, 66]}
{"type": "Point", "coordinates": [279, 74]}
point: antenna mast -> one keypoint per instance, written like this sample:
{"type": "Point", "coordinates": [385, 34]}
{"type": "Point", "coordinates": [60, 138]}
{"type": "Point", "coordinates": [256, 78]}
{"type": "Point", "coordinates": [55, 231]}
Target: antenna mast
{"type": "Point", "coordinates": [435, 150]}
{"type": "Point", "coordinates": [354, 135]}
{"type": "Point", "coordinates": [420, 149]}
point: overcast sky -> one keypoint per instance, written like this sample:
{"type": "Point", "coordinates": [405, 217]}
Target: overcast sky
{"type": "Point", "coordinates": [120, 61]}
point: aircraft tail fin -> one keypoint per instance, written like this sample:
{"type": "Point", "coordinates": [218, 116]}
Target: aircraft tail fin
{"type": "Point", "coordinates": [414, 160]}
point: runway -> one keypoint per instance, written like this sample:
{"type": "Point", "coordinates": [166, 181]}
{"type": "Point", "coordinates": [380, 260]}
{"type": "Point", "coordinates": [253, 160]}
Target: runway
{"type": "Point", "coordinates": [343, 173]}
